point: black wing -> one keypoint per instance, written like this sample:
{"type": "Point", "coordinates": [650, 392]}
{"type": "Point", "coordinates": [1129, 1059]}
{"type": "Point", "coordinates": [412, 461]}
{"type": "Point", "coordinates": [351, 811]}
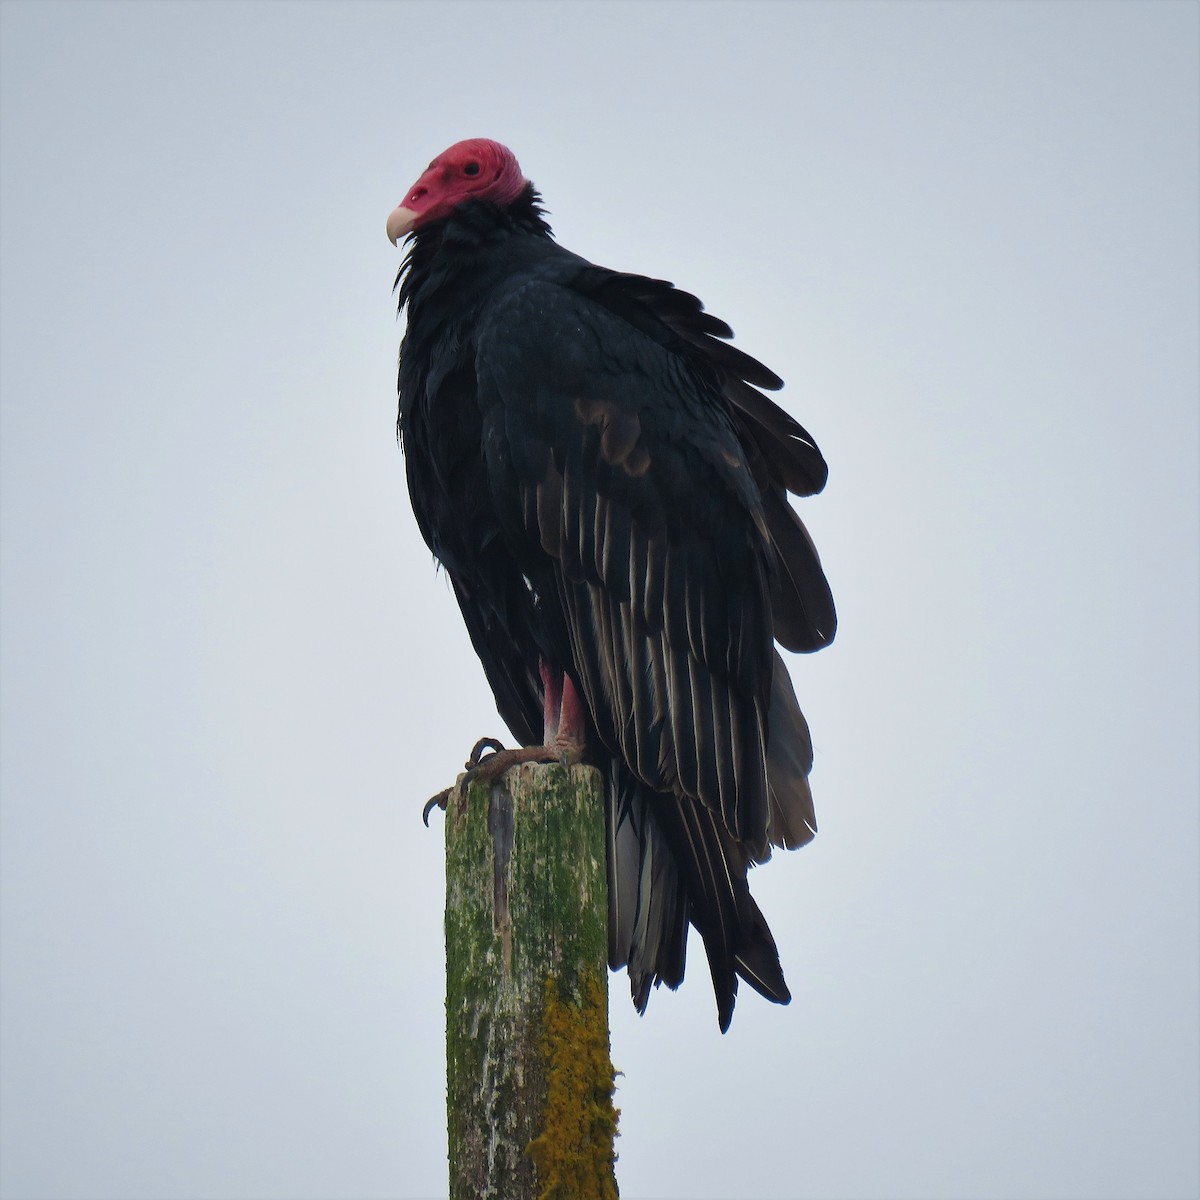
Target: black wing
{"type": "Point", "coordinates": [629, 502]}
{"type": "Point", "coordinates": [782, 454]}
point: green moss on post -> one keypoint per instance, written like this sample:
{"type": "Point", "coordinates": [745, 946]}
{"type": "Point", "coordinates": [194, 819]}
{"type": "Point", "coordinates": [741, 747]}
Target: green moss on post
{"type": "Point", "coordinates": [529, 1078]}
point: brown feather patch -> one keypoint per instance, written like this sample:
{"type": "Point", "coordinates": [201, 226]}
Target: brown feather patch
{"type": "Point", "coordinates": [620, 435]}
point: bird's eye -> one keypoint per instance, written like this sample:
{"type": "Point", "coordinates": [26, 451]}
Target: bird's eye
{"type": "Point", "coordinates": [472, 168]}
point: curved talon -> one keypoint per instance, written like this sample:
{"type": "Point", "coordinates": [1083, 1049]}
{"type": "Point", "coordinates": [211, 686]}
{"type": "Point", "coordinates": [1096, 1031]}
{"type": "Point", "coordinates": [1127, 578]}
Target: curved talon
{"type": "Point", "coordinates": [438, 801]}
{"type": "Point", "coordinates": [484, 743]}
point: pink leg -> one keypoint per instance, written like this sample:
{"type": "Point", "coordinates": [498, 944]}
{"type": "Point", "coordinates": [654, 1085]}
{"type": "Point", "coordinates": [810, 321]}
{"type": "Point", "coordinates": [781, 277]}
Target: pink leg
{"type": "Point", "coordinates": [569, 735]}
{"type": "Point", "coordinates": [552, 699]}
{"type": "Point", "coordinates": [563, 734]}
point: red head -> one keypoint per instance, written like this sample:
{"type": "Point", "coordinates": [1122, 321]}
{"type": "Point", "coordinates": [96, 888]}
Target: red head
{"type": "Point", "coordinates": [476, 169]}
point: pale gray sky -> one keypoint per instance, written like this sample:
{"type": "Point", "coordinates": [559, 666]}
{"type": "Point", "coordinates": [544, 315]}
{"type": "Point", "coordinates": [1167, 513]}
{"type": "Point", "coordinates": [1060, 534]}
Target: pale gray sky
{"type": "Point", "coordinates": [966, 236]}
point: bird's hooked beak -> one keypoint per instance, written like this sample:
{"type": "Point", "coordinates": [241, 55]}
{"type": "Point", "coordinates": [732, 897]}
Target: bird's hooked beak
{"type": "Point", "coordinates": [399, 222]}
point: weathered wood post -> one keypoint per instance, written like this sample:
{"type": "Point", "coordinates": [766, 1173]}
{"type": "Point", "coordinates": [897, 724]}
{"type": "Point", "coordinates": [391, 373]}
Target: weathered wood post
{"type": "Point", "coordinates": [529, 1077]}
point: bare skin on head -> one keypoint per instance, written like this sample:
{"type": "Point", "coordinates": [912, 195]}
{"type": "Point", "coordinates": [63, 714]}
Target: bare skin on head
{"type": "Point", "coordinates": [476, 169]}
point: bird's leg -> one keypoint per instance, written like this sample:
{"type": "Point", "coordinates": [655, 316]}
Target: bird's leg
{"type": "Point", "coordinates": [552, 694]}
{"type": "Point", "coordinates": [567, 736]}
{"type": "Point", "coordinates": [563, 739]}
{"type": "Point", "coordinates": [562, 731]}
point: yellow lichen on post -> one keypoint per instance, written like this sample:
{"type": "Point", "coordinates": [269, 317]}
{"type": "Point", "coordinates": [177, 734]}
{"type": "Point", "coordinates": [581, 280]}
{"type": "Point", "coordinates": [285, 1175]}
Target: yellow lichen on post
{"type": "Point", "coordinates": [574, 1152]}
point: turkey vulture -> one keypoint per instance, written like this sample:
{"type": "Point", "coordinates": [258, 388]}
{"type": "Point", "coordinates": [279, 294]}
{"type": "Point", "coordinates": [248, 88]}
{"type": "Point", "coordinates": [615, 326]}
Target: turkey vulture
{"type": "Point", "coordinates": [595, 468]}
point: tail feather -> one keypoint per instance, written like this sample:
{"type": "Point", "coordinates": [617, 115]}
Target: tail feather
{"type": "Point", "coordinates": [647, 900]}
{"type": "Point", "coordinates": [671, 861]}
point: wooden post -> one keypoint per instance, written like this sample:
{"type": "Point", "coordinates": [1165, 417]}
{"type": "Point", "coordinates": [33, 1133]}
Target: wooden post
{"type": "Point", "coordinates": [529, 1078]}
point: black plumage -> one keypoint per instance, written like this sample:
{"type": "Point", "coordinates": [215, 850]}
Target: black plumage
{"type": "Point", "coordinates": [596, 469]}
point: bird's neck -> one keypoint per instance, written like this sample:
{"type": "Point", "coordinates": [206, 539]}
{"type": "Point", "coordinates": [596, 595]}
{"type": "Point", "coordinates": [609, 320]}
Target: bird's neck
{"type": "Point", "coordinates": [459, 258]}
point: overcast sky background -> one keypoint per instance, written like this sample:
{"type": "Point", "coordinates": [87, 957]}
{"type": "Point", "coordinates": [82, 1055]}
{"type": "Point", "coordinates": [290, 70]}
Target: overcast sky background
{"type": "Point", "coordinates": [966, 235]}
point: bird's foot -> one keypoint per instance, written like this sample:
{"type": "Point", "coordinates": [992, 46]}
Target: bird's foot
{"type": "Point", "coordinates": [489, 760]}
{"type": "Point", "coordinates": [443, 798]}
